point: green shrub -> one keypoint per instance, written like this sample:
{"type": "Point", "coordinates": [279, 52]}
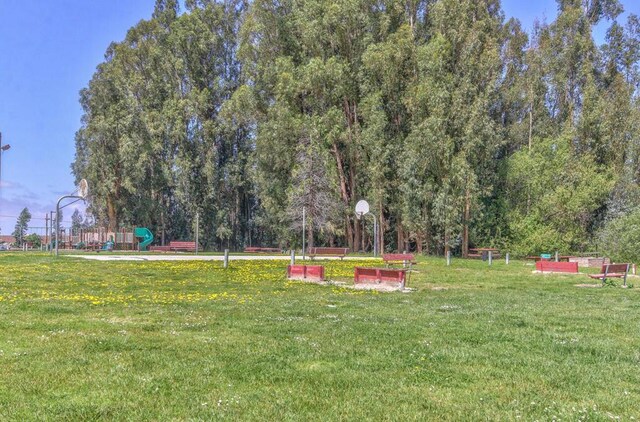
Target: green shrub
{"type": "Point", "coordinates": [620, 238]}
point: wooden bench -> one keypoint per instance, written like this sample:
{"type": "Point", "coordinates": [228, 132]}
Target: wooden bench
{"type": "Point", "coordinates": [483, 253]}
{"type": "Point", "coordinates": [406, 259]}
{"type": "Point", "coordinates": [338, 252]}
{"type": "Point", "coordinates": [557, 267]}
{"type": "Point", "coordinates": [175, 246]}
{"type": "Point", "coordinates": [612, 271]}
{"type": "Point", "coordinates": [392, 276]}
{"type": "Point", "coordinates": [305, 272]}
{"type": "Point", "coordinates": [253, 249]}
{"type": "Point", "coordinates": [160, 248]}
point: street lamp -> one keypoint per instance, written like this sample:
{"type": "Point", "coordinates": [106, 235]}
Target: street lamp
{"type": "Point", "coordinates": [3, 148]}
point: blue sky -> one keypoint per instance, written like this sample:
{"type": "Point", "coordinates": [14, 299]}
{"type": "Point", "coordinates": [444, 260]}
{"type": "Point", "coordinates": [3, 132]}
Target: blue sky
{"type": "Point", "coordinates": [48, 52]}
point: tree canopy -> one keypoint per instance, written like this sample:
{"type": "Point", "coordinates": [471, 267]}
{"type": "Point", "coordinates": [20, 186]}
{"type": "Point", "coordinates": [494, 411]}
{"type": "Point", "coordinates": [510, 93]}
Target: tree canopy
{"type": "Point", "coordinates": [457, 126]}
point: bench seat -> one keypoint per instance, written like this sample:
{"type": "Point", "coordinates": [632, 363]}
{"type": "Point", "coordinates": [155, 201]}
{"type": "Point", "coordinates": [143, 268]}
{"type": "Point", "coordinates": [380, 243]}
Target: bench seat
{"type": "Point", "coordinates": [337, 252]}
{"type": "Point", "coordinates": [612, 271]}
{"type": "Point", "coordinates": [253, 249]}
{"type": "Point", "coordinates": [175, 246]}
{"type": "Point", "coordinates": [399, 258]}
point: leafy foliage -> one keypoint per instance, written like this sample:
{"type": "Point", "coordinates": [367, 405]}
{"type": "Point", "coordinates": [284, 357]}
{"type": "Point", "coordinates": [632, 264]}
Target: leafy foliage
{"type": "Point", "coordinates": [457, 127]}
{"type": "Point", "coordinates": [21, 227]}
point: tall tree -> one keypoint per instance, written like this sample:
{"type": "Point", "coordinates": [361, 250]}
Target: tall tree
{"type": "Point", "coordinates": [21, 227]}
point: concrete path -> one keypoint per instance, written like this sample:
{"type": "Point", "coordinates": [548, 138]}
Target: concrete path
{"type": "Point", "coordinates": [138, 257]}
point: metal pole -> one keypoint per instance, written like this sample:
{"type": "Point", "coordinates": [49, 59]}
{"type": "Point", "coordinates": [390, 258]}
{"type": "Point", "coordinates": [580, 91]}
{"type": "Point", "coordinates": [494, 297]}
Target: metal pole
{"type": "Point", "coordinates": [362, 235]}
{"type": "Point", "coordinates": [2, 149]}
{"type": "Point", "coordinates": [506, 257]}
{"type": "Point", "coordinates": [46, 229]}
{"type": "Point", "coordinates": [375, 236]}
{"type": "Point", "coordinates": [293, 257]}
{"type": "Point", "coordinates": [197, 230]}
{"type": "Point", "coordinates": [49, 248]}
{"type": "Point", "coordinates": [490, 258]}
{"type": "Point", "coordinates": [304, 230]}
{"type": "Point", "coordinates": [58, 215]}
{"type": "Point", "coordinates": [57, 222]}
{"type": "Point", "coordinates": [557, 258]}
{"type": "Point", "coordinates": [0, 158]}
{"type": "Point", "coordinates": [226, 258]}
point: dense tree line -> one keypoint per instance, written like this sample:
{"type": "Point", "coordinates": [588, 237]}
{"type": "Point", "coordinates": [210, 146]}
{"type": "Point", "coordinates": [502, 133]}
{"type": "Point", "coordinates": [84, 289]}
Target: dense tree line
{"type": "Point", "coordinates": [457, 126]}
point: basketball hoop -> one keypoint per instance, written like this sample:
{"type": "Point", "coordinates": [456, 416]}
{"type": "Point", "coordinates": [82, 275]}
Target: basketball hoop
{"type": "Point", "coordinates": [362, 208]}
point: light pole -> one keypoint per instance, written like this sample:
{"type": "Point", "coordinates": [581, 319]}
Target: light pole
{"type": "Point", "coordinates": [3, 148]}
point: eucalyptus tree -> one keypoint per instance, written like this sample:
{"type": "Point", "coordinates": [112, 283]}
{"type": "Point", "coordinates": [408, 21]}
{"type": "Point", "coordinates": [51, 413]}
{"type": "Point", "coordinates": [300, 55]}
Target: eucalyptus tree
{"type": "Point", "coordinates": [453, 138]}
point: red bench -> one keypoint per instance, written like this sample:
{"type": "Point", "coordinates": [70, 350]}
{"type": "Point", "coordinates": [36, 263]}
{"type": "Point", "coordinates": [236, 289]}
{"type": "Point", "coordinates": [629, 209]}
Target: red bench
{"type": "Point", "coordinates": [338, 252]}
{"type": "Point", "coordinates": [612, 271]}
{"type": "Point", "coordinates": [253, 249]}
{"type": "Point", "coordinates": [406, 259]}
{"type": "Point", "coordinates": [557, 267]}
{"type": "Point", "coordinates": [305, 272]}
{"type": "Point", "coordinates": [175, 246]}
{"type": "Point", "coordinates": [380, 276]}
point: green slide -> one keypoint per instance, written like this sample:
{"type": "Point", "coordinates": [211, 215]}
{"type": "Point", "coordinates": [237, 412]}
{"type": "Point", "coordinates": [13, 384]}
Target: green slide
{"type": "Point", "coordinates": [146, 235]}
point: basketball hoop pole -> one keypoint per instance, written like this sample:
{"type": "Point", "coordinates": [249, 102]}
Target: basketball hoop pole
{"type": "Point", "coordinates": [58, 214]}
{"type": "Point", "coordinates": [81, 193]}
{"type": "Point", "coordinates": [362, 209]}
{"type": "Point", "coordinates": [375, 234]}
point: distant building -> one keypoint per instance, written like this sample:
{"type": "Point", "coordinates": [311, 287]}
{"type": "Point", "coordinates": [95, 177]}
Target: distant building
{"type": "Point", "coordinates": [5, 238]}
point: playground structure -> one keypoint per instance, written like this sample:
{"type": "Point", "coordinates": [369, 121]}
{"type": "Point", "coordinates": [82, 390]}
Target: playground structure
{"type": "Point", "coordinates": [100, 238]}
{"type": "Point", "coordinates": [145, 235]}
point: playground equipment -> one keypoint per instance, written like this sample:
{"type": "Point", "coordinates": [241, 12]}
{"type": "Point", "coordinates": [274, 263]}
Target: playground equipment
{"type": "Point", "coordinates": [108, 245]}
{"type": "Point", "coordinates": [146, 236]}
{"type": "Point", "coordinates": [95, 238]}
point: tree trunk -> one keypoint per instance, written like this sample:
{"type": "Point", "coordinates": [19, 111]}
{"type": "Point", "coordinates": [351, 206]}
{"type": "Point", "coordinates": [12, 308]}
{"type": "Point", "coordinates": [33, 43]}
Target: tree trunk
{"type": "Point", "coordinates": [112, 214]}
{"type": "Point", "coordinates": [309, 234]}
{"type": "Point", "coordinates": [530, 141]}
{"type": "Point", "coordinates": [446, 242]}
{"type": "Point", "coordinates": [381, 229]}
{"type": "Point", "coordinates": [400, 237]}
{"type": "Point", "coordinates": [419, 242]}
{"type": "Point", "coordinates": [163, 227]}
{"type": "Point", "coordinates": [344, 192]}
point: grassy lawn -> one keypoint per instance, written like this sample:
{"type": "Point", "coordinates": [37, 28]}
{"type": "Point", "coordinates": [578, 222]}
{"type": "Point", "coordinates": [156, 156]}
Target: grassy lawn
{"type": "Point", "coordinates": [84, 340]}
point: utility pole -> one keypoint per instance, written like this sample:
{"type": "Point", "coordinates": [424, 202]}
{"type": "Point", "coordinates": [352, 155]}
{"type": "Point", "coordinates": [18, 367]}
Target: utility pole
{"type": "Point", "coordinates": [50, 244]}
{"type": "Point", "coordinates": [46, 230]}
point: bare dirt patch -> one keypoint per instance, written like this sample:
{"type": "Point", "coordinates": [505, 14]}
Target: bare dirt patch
{"type": "Point", "coordinates": [588, 286]}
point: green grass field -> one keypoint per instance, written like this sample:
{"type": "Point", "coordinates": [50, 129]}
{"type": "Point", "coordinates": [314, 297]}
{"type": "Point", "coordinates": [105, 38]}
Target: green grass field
{"type": "Point", "coordinates": [82, 340]}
